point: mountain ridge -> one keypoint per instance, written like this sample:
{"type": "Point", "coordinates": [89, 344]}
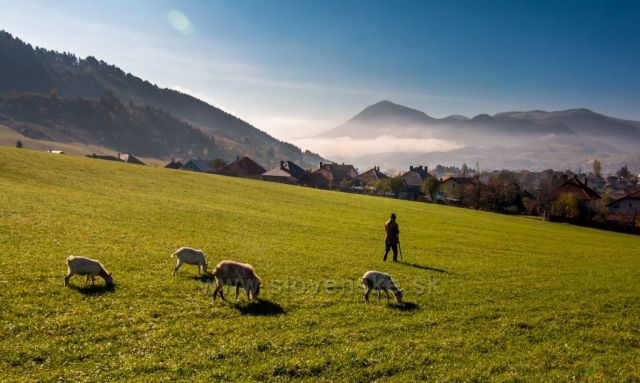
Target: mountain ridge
{"type": "Point", "coordinates": [533, 138]}
{"type": "Point", "coordinates": [374, 119]}
{"type": "Point", "coordinates": [24, 68]}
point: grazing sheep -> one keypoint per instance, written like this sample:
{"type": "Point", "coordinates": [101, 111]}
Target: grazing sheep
{"type": "Point", "coordinates": [190, 257]}
{"type": "Point", "coordinates": [236, 274]}
{"type": "Point", "coordinates": [375, 280]}
{"type": "Point", "coordinates": [86, 266]}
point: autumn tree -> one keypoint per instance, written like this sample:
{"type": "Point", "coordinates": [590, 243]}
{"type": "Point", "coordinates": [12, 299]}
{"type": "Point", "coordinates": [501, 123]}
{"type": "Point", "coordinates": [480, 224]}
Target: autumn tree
{"type": "Point", "coordinates": [344, 184]}
{"type": "Point", "coordinates": [218, 163]}
{"type": "Point", "coordinates": [566, 205]}
{"type": "Point", "coordinates": [380, 186]}
{"type": "Point", "coordinates": [465, 170]}
{"type": "Point", "coordinates": [396, 184]}
{"type": "Point", "coordinates": [430, 187]}
{"type": "Point", "coordinates": [546, 190]}
{"type": "Point", "coordinates": [501, 193]}
{"type": "Point", "coordinates": [623, 172]}
{"type": "Point", "coordinates": [597, 168]}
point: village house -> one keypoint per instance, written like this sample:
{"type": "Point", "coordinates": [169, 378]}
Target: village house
{"type": "Point", "coordinates": [625, 210]}
{"type": "Point", "coordinates": [451, 189]}
{"type": "Point", "coordinates": [174, 164]}
{"type": "Point", "coordinates": [129, 159]}
{"type": "Point", "coordinates": [579, 189]}
{"type": "Point", "coordinates": [287, 172]}
{"type": "Point", "coordinates": [202, 166]}
{"type": "Point", "coordinates": [369, 178]}
{"type": "Point", "coordinates": [243, 167]}
{"type": "Point", "coordinates": [329, 176]}
{"type": "Point", "coordinates": [586, 197]}
{"type": "Point", "coordinates": [617, 187]}
{"type": "Point", "coordinates": [413, 180]}
{"type": "Point", "coordinates": [597, 183]}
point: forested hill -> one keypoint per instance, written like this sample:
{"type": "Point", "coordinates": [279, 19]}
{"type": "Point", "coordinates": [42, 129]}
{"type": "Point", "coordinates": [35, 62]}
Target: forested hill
{"type": "Point", "coordinates": [24, 68]}
{"type": "Point", "coordinates": [106, 122]}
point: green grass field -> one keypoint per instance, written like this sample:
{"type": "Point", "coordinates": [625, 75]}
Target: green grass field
{"type": "Point", "coordinates": [489, 297]}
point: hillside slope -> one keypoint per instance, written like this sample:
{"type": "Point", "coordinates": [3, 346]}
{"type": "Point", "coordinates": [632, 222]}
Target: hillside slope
{"type": "Point", "coordinates": [105, 122]}
{"type": "Point", "coordinates": [37, 70]}
{"type": "Point", "coordinates": [488, 297]}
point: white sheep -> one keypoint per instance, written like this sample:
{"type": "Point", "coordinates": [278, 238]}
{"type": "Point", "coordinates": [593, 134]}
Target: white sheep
{"type": "Point", "coordinates": [236, 274]}
{"type": "Point", "coordinates": [86, 266]}
{"type": "Point", "coordinates": [190, 257]}
{"type": "Point", "coordinates": [376, 280]}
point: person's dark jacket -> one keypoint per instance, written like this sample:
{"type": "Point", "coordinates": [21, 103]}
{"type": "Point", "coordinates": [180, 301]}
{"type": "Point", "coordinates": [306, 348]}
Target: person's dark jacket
{"type": "Point", "coordinates": [393, 232]}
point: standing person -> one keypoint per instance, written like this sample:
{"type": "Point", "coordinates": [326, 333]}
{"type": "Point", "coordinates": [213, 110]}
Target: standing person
{"type": "Point", "coordinates": [392, 238]}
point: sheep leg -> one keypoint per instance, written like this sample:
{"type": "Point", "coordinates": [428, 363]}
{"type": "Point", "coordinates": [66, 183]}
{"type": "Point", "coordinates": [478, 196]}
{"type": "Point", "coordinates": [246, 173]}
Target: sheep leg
{"type": "Point", "coordinates": [215, 292]}
{"type": "Point", "coordinates": [366, 295]}
{"type": "Point", "coordinates": [249, 295]}
{"type": "Point", "coordinates": [378, 294]}
{"type": "Point", "coordinates": [175, 269]}
{"type": "Point", "coordinates": [387, 292]}
{"type": "Point", "coordinates": [67, 277]}
{"type": "Point", "coordinates": [86, 279]}
{"type": "Point", "coordinates": [237, 292]}
{"type": "Point", "coordinates": [222, 295]}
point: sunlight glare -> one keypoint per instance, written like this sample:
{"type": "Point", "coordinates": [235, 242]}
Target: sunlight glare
{"type": "Point", "coordinates": [180, 22]}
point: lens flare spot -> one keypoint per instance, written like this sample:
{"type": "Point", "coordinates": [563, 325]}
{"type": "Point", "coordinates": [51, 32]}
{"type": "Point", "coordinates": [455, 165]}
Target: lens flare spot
{"type": "Point", "coordinates": [180, 22]}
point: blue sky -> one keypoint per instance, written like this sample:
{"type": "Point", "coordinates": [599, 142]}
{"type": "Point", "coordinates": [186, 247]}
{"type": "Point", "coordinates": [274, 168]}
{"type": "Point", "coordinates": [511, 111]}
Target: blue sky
{"type": "Point", "coordinates": [294, 68]}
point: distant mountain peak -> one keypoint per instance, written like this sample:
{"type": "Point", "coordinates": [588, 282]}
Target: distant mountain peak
{"type": "Point", "coordinates": [384, 102]}
{"type": "Point", "coordinates": [457, 117]}
{"type": "Point", "coordinates": [386, 109]}
{"type": "Point", "coordinates": [483, 117]}
{"type": "Point", "coordinates": [583, 112]}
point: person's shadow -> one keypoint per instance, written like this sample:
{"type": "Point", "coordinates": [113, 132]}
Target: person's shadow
{"type": "Point", "coordinates": [259, 307]}
{"type": "Point", "coordinates": [422, 267]}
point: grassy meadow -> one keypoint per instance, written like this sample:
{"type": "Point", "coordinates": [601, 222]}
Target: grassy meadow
{"type": "Point", "coordinates": [488, 297]}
